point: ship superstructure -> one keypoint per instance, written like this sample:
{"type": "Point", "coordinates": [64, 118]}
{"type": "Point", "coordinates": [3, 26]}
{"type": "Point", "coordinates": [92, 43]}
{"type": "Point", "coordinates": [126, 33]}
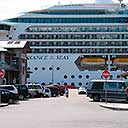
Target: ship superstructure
{"type": "Point", "coordinates": [72, 44]}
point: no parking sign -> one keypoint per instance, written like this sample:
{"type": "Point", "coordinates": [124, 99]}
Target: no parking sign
{"type": "Point", "coordinates": [105, 74]}
{"type": "Point", "coordinates": [2, 73]}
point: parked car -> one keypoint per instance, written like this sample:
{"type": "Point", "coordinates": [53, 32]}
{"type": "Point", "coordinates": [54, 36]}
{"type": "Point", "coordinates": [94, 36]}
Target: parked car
{"type": "Point", "coordinates": [54, 90]}
{"type": "Point", "coordinates": [107, 89]}
{"type": "Point", "coordinates": [70, 86]}
{"type": "Point", "coordinates": [82, 90]}
{"type": "Point", "coordinates": [8, 97]}
{"type": "Point", "coordinates": [61, 89]}
{"type": "Point", "coordinates": [11, 88]}
{"type": "Point", "coordinates": [22, 90]}
{"type": "Point", "coordinates": [35, 90]}
{"type": "Point", "coordinates": [46, 92]}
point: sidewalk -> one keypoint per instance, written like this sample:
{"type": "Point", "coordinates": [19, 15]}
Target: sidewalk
{"type": "Point", "coordinates": [115, 106]}
{"type": "Point", "coordinates": [3, 104]}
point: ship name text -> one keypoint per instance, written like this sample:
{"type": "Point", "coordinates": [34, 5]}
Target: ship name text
{"type": "Point", "coordinates": [48, 57]}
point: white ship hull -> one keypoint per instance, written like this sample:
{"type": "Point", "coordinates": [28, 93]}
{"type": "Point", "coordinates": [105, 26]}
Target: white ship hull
{"type": "Point", "coordinates": [63, 65]}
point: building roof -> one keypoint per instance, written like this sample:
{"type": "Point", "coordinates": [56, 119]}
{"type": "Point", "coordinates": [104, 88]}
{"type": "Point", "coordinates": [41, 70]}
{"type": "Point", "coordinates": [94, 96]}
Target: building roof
{"type": "Point", "coordinates": [12, 44]}
{"type": "Point", "coordinates": [3, 49]}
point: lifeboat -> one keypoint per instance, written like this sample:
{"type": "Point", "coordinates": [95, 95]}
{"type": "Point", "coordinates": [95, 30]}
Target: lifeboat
{"type": "Point", "coordinates": [92, 61]}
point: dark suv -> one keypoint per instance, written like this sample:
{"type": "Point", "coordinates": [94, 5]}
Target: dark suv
{"type": "Point", "coordinates": [7, 96]}
{"type": "Point", "coordinates": [106, 89]}
{"type": "Point", "coordinates": [22, 90]}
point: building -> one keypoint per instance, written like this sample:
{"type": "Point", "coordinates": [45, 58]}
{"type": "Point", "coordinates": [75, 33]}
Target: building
{"type": "Point", "coordinates": [72, 44]}
{"type": "Point", "coordinates": [13, 60]}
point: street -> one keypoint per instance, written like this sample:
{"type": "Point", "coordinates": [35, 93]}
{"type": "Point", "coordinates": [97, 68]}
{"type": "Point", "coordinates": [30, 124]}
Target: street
{"type": "Point", "coordinates": [77, 111]}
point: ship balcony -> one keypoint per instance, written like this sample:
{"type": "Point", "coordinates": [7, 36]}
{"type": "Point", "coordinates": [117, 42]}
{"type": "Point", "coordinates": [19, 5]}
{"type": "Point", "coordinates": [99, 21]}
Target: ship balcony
{"type": "Point", "coordinates": [78, 33]}
{"type": "Point", "coordinates": [75, 40]}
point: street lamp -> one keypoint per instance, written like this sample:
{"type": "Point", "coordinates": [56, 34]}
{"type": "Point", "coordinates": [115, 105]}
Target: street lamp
{"type": "Point", "coordinates": [108, 61]}
{"type": "Point", "coordinates": [120, 1]}
{"type": "Point", "coordinates": [52, 73]}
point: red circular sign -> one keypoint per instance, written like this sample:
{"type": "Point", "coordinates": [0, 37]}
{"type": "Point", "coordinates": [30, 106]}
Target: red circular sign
{"type": "Point", "coordinates": [106, 74]}
{"type": "Point", "coordinates": [2, 73]}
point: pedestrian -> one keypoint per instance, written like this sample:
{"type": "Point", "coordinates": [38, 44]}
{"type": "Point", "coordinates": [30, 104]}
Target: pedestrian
{"type": "Point", "coordinates": [126, 90]}
{"type": "Point", "coordinates": [66, 92]}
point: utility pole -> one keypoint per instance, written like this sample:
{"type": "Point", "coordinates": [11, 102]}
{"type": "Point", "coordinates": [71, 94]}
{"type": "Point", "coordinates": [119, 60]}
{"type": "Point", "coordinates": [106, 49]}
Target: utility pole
{"type": "Point", "coordinates": [109, 63]}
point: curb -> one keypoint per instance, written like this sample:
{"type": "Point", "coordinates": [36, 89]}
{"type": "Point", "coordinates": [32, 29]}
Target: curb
{"type": "Point", "coordinates": [113, 107]}
{"type": "Point", "coordinates": [3, 105]}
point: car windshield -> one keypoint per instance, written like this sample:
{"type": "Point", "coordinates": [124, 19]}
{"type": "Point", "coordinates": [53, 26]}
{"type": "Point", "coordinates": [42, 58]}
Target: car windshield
{"type": "Point", "coordinates": [31, 86]}
{"type": "Point", "coordinates": [82, 88]}
{"type": "Point", "coordinates": [37, 87]}
{"type": "Point", "coordinates": [21, 86]}
{"type": "Point", "coordinates": [8, 87]}
{"type": "Point", "coordinates": [46, 90]}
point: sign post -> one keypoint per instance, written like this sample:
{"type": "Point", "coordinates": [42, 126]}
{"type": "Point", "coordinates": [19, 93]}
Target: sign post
{"type": "Point", "coordinates": [106, 75]}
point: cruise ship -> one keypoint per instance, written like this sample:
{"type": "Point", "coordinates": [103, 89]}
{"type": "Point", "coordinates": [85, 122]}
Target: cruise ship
{"type": "Point", "coordinates": [72, 44]}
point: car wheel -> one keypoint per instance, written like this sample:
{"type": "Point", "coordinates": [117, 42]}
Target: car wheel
{"type": "Point", "coordinates": [96, 98]}
{"type": "Point", "coordinates": [61, 94]}
{"type": "Point", "coordinates": [29, 96]}
{"type": "Point", "coordinates": [54, 95]}
{"type": "Point", "coordinates": [21, 97]}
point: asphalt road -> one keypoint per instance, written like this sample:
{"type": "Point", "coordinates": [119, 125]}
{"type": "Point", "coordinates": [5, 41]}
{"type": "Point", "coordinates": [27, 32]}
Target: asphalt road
{"type": "Point", "coordinates": [77, 111]}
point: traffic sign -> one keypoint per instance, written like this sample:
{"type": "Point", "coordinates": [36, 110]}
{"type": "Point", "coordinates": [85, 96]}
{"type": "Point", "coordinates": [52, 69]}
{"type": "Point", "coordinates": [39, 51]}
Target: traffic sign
{"type": "Point", "coordinates": [105, 74]}
{"type": "Point", "coordinates": [2, 73]}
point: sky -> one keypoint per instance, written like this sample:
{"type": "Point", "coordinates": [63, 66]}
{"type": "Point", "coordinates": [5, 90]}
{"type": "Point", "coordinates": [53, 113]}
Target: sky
{"type": "Point", "coordinates": [13, 8]}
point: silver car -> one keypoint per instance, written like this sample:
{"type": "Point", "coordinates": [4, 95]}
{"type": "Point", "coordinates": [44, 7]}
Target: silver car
{"type": "Point", "coordinates": [35, 90]}
{"type": "Point", "coordinates": [46, 92]}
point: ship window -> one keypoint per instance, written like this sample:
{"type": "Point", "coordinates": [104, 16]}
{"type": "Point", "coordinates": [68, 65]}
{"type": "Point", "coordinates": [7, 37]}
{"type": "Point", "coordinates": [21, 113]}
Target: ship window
{"type": "Point", "coordinates": [72, 83]}
{"type": "Point", "coordinates": [72, 76]}
{"type": "Point", "coordinates": [80, 76]}
{"type": "Point", "coordinates": [36, 51]}
{"type": "Point", "coordinates": [51, 50]}
{"type": "Point", "coordinates": [65, 76]}
{"type": "Point", "coordinates": [57, 50]}
{"type": "Point", "coordinates": [80, 83]}
{"type": "Point", "coordinates": [87, 76]}
{"type": "Point", "coordinates": [58, 68]}
{"type": "Point", "coordinates": [50, 68]}
{"type": "Point", "coordinates": [28, 68]}
{"type": "Point", "coordinates": [36, 68]}
{"type": "Point", "coordinates": [65, 83]}
{"type": "Point", "coordinates": [87, 83]}
{"type": "Point", "coordinates": [71, 20]}
{"type": "Point", "coordinates": [43, 68]}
